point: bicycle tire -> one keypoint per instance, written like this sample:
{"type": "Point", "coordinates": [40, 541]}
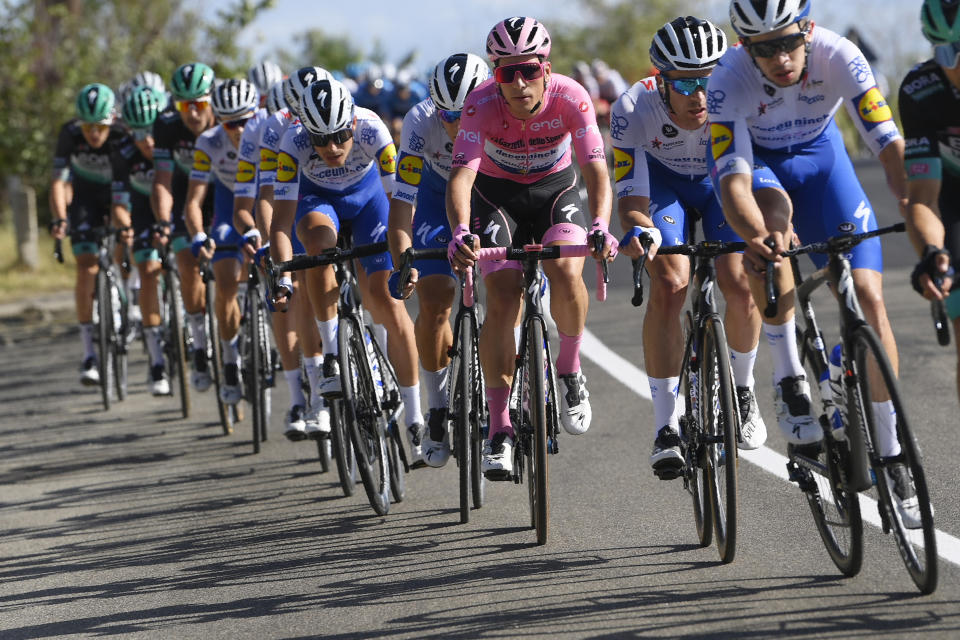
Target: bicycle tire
{"type": "Point", "coordinates": [835, 509]}
{"type": "Point", "coordinates": [398, 474]}
{"type": "Point", "coordinates": [120, 346]}
{"type": "Point", "coordinates": [177, 356]}
{"type": "Point", "coordinates": [721, 429]}
{"type": "Point", "coordinates": [362, 416]}
{"type": "Point", "coordinates": [215, 361]}
{"type": "Point", "coordinates": [342, 449]}
{"type": "Point", "coordinates": [540, 475]}
{"type": "Point", "coordinates": [324, 453]}
{"type": "Point", "coordinates": [463, 399]}
{"type": "Point", "coordinates": [479, 417]}
{"type": "Point", "coordinates": [695, 472]}
{"type": "Point", "coordinates": [104, 336]}
{"type": "Point", "coordinates": [253, 370]}
{"type": "Point", "coordinates": [917, 550]}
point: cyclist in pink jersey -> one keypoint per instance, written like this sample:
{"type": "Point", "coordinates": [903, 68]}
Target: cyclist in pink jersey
{"type": "Point", "coordinates": [512, 183]}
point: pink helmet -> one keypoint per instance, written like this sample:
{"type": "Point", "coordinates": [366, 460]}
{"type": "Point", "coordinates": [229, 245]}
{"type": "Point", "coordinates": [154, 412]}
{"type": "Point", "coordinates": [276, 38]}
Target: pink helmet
{"type": "Point", "coordinates": [518, 36]}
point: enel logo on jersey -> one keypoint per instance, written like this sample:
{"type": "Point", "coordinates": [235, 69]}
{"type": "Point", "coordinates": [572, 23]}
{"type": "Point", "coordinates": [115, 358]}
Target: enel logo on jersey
{"type": "Point", "coordinates": [721, 137]}
{"type": "Point", "coordinates": [873, 108]}
{"type": "Point", "coordinates": [409, 169]}
{"type": "Point", "coordinates": [622, 164]}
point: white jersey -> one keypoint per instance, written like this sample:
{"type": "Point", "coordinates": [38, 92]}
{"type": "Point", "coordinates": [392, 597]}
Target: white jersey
{"type": "Point", "coordinates": [744, 106]}
{"type": "Point", "coordinates": [424, 144]}
{"type": "Point", "coordinates": [372, 150]}
{"type": "Point", "coordinates": [640, 125]}
{"type": "Point", "coordinates": [270, 134]}
{"type": "Point", "coordinates": [214, 154]}
{"type": "Point", "coordinates": [245, 182]}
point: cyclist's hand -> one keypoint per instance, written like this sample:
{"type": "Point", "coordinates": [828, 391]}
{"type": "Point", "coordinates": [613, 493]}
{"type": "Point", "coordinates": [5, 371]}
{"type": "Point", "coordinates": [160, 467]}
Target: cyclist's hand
{"type": "Point", "coordinates": [203, 247]}
{"type": "Point", "coordinates": [58, 228]}
{"type": "Point", "coordinates": [282, 293]}
{"type": "Point", "coordinates": [610, 243]}
{"type": "Point", "coordinates": [630, 244]}
{"type": "Point", "coordinates": [393, 284]}
{"type": "Point", "coordinates": [261, 255]}
{"type": "Point", "coordinates": [251, 242]}
{"type": "Point", "coordinates": [160, 234]}
{"type": "Point", "coordinates": [933, 269]}
{"type": "Point", "coordinates": [459, 252]}
{"type": "Point", "coordinates": [762, 249]}
{"type": "Point", "coordinates": [125, 236]}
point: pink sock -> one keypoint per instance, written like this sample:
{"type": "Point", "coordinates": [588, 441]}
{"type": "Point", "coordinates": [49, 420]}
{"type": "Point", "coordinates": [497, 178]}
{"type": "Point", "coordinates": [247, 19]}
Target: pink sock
{"type": "Point", "coordinates": [497, 404]}
{"type": "Point", "coordinates": [568, 360]}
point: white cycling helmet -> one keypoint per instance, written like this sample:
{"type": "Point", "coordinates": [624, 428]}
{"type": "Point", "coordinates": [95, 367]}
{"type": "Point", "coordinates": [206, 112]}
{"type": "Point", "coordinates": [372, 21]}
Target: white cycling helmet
{"type": "Point", "coordinates": [275, 98]}
{"type": "Point", "coordinates": [299, 80]}
{"type": "Point", "coordinates": [264, 75]}
{"type": "Point", "coordinates": [326, 107]}
{"type": "Point", "coordinates": [756, 17]}
{"type": "Point", "coordinates": [233, 98]}
{"type": "Point", "coordinates": [454, 78]}
{"type": "Point", "coordinates": [148, 79]}
{"type": "Point", "coordinates": [687, 44]}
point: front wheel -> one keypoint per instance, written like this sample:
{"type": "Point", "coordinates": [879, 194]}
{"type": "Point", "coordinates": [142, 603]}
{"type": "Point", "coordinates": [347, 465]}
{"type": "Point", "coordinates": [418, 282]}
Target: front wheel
{"type": "Point", "coordinates": [695, 468]}
{"type": "Point", "coordinates": [176, 343]}
{"type": "Point", "coordinates": [104, 338]}
{"type": "Point", "coordinates": [342, 449]}
{"type": "Point", "coordinates": [540, 473]}
{"type": "Point", "coordinates": [215, 361]}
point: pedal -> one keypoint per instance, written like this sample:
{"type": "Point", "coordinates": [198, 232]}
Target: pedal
{"type": "Point", "coordinates": [668, 471]}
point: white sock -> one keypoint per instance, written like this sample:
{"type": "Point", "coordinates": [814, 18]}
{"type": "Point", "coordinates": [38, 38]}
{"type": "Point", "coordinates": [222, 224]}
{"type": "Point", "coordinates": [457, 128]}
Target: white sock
{"type": "Point", "coordinates": [411, 404]}
{"type": "Point", "coordinates": [197, 330]}
{"type": "Point", "coordinates": [742, 364]}
{"type": "Point", "coordinates": [664, 394]}
{"type": "Point", "coordinates": [380, 333]}
{"type": "Point", "coordinates": [154, 345]}
{"type": "Point", "coordinates": [231, 355]}
{"type": "Point", "coordinates": [783, 349]}
{"type": "Point", "coordinates": [516, 338]}
{"type": "Point", "coordinates": [296, 391]}
{"type": "Point", "coordinates": [885, 417]}
{"type": "Point", "coordinates": [328, 335]}
{"type": "Point", "coordinates": [436, 384]}
{"type": "Point", "coordinates": [314, 367]}
{"type": "Point", "coordinates": [86, 336]}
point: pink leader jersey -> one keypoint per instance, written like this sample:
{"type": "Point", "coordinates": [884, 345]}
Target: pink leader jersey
{"type": "Point", "coordinates": [493, 142]}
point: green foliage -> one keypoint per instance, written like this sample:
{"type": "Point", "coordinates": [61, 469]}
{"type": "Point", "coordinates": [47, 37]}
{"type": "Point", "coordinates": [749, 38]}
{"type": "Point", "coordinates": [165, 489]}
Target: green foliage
{"type": "Point", "coordinates": [317, 48]}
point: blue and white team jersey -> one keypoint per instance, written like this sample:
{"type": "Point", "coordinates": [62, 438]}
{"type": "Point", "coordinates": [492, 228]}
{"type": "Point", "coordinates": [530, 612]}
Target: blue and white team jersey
{"type": "Point", "coordinates": [270, 133]}
{"type": "Point", "coordinates": [787, 136]}
{"type": "Point", "coordinates": [423, 169]}
{"type": "Point", "coordinates": [245, 182]}
{"type": "Point", "coordinates": [373, 150]}
{"type": "Point", "coordinates": [746, 109]}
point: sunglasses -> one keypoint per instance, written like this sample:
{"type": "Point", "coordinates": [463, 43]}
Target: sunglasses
{"type": "Point", "coordinates": [184, 106]}
{"type": "Point", "coordinates": [770, 48]}
{"type": "Point", "coordinates": [946, 54]}
{"type": "Point", "coordinates": [97, 127]}
{"type": "Point", "coordinates": [323, 139]}
{"type": "Point", "coordinates": [449, 116]}
{"type": "Point", "coordinates": [238, 123]}
{"type": "Point", "coordinates": [687, 86]}
{"type": "Point", "coordinates": [529, 71]}
{"type": "Point", "coordinates": [142, 134]}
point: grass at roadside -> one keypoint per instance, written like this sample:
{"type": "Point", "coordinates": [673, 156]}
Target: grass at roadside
{"type": "Point", "coordinates": [17, 282]}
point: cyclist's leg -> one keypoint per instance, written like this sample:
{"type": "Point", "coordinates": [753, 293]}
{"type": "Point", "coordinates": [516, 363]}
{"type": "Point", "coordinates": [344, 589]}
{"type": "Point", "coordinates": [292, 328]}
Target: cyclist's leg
{"type": "Point", "coordinates": [85, 251]}
{"type": "Point", "coordinates": [226, 270]}
{"type": "Point", "coordinates": [148, 266]}
{"type": "Point", "coordinates": [286, 337]}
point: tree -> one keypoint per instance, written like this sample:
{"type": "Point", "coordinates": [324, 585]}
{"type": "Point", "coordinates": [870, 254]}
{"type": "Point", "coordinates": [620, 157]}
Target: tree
{"type": "Point", "coordinates": [315, 47]}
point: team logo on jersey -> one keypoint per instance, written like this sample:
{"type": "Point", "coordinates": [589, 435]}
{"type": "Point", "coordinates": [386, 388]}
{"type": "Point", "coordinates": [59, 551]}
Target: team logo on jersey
{"type": "Point", "coordinates": [471, 110]}
{"type": "Point", "coordinates": [670, 131]}
{"type": "Point", "coordinates": [201, 161]}
{"type": "Point", "coordinates": [669, 220]}
{"type": "Point", "coordinates": [409, 169]}
{"type": "Point", "coordinates": [287, 168]}
{"type": "Point", "coordinates": [721, 137]}
{"type": "Point", "coordinates": [388, 159]}
{"type": "Point", "coordinates": [583, 107]}
{"type": "Point", "coordinates": [268, 160]}
{"type": "Point", "coordinates": [873, 108]}
{"type": "Point", "coordinates": [622, 164]}
{"type": "Point", "coordinates": [246, 172]}
{"type": "Point", "coordinates": [656, 143]}
{"type": "Point", "coordinates": [769, 90]}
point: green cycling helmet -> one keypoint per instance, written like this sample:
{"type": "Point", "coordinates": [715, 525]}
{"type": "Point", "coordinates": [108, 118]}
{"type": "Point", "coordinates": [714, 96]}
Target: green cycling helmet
{"type": "Point", "coordinates": [141, 107]}
{"type": "Point", "coordinates": [938, 19]}
{"type": "Point", "coordinates": [191, 81]}
{"type": "Point", "coordinates": [95, 103]}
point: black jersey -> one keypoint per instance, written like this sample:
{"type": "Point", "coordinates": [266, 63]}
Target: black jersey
{"type": "Point", "coordinates": [173, 151]}
{"type": "Point", "coordinates": [89, 170]}
{"type": "Point", "coordinates": [132, 184]}
{"type": "Point", "coordinates": [930, 112]}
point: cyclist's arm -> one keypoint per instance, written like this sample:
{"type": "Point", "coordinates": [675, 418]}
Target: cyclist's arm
{"type": "Point", "coordinates": [923, 214]}
{"type": "Point", "coordinates": [400, 228]}
{"type": "Point", "coordinates": [891, 157]}
{"type": "Point", "coordinates": [599, 193]}
{"type": "Point", "coordinates": [193, 208]}
{"type": "Point", "coordinates": [264, 210]}
{"type": "Point", "coordinates": [161, 195]}
{"type": "Point", "coordinates": [458, 196]}
{"type": "Point", "coordinates": [58, 203]}
{"type": "Point", "coordinates": [743, 214]}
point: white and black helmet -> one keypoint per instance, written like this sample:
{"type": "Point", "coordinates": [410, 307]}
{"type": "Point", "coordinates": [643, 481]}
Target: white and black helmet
{"type": "Point", "coordinates": [756, 17]}
{"type": "Point", "coordinates": [299, 80]}
{"type": "Point", "coordinates": [326, 107]}
{"type": "Point", "coordinates": [687, 44]}
{"type": "Point", "coordinates": [454, 78]}
{"type": "Point", "coordinates": [234, 97]}
{"type": "Point", "coordinates": [148, 79]}
{"type": "Point", "coordinates": [264, 75]}
{"type": "Point", "coordinates": [275, 98]}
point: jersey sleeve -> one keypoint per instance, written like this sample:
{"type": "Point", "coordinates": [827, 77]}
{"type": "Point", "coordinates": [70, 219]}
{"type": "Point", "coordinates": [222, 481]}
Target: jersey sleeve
{"type": "Point", "coordinates": [587, 141]}
{"type": "Point", "coordinates": [410, 160]}
{"type": "Point", "coordinates": [245, 181]}
{"type": "Point", "coordinates": [202, 161]}
{"type": "Point", "coordinates": [378, 142]}
{"type": "Point", "coordinates": [468, 145]}
{"type": "Point", "coordinates": [120, 165]}
{"type": "Point", "coordinates": [630, 172]}
{"type": "Point", "coordinates": [852, 77]}
{"type": "Point", "coordinates": [269, 145]}
{"type": "Point", "coordinates": [162, 147]}
{"type": "Point", "coordinates": [61, 156]}
{"type": "Point", "coordinates": [289, 152]}
{"type": "Point", "coordinates": [921, 156]}
{"type": "Point", "coordinates": [731, 149]}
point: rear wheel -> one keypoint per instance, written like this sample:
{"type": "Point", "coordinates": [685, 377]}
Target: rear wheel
{"type": "Point", "coordinates": [342, 448]}
{"type": "Point", "coordinates": [398, 471]}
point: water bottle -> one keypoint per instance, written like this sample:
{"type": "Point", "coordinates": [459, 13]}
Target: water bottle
{"type": "Point", "coordinates": [835, 391]}
{"type": "Point", "coordinates": [374, 364]}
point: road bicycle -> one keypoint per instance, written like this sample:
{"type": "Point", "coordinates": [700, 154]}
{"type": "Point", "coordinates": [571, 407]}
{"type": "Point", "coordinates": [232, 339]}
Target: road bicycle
{"type": "Point", "coordinates": [257, 354]}
{"type": "Point", "coordinates": [847, 461]}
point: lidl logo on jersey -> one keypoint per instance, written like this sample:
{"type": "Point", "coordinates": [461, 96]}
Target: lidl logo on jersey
{"type": "Point", "coordinates": [409, 169]}
{"type": "Point", "coordinates": [201, 161]}
{"type": "Point", "coordinates": [286, 167]}
{"type": "Point", "coordinates": [622, 164]}
{"type": "Point", "coordinates": [246, 172]}
{"type": "Point", "coordinates": [873, 108]}
{"type": "Point", "coordinates": [268, 160]}
{"type": "Point", "coordinates": [388, 159]}
{"type": "Point", "coordinates": [721, 137]}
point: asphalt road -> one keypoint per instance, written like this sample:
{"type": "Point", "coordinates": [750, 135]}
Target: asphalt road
{"type": "Point", "coordinates": [139, 524]}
